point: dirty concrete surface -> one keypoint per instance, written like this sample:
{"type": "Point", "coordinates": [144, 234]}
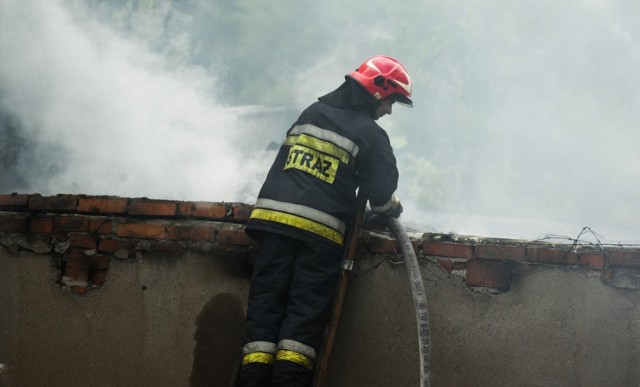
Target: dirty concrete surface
{"type": "Point", "coordinates": [177, 321]}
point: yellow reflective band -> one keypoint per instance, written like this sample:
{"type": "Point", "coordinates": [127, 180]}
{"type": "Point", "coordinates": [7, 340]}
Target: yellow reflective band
{"type": "Point", "coordinates": [318, 164]}
{"type": "Point", "coordinates": [326, 135]}
{"type": "Point", "coordinates": [320, 145]}
{"type": "Point", "coordinates": [295, 357]}
{"type": "Point", "coordinates": [303, 211]}
{"type": "Point", "coordinates": [258, 357]}
{"type": "Point", "coordinates": [299, 222]}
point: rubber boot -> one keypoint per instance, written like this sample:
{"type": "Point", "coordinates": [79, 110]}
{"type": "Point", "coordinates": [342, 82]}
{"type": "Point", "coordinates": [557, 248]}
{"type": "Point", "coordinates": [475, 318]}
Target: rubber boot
{"type": "Point", "coordinates": [289, 374]}
{"type": "Point", "coordinates": [255, 375]}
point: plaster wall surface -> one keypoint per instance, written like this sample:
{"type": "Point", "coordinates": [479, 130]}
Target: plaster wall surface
{"type": "Point", "coordinates": [176, 320]}
{"type": "Point", "coordinates": [160, 321]}
{"type": "Point", "coordinates": [554, 327]}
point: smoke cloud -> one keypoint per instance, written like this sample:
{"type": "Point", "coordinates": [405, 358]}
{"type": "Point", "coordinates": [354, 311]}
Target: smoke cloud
{"type": "Point", "coordinates": [525, 121]}
{"type": "Point", "coordinates": [102, 114]}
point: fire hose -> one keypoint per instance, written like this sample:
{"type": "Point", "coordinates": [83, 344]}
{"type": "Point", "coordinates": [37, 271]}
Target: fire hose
{"type": "Point", "coordinates": [417, 290]}
{"type": "Point", "coordinates": [419, 298]}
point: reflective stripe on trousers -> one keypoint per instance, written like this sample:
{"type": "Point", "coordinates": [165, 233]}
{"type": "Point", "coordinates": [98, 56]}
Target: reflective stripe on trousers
{"type": "Point", "coordinates": [289, 350]}
{"type": "Point", "coordinates": [258, 352]}
{"type": "Point", "coordinates": [296, 352]}
{"type": "Point", "coordinates": [291, 294]}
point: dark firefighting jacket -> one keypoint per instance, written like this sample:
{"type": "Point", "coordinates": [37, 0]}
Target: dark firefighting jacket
{"type": "Point", "coordinates": [310, 190]}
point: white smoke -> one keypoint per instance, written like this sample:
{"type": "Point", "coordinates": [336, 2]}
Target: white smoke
{"type": "Point", "coordinates": [120, 121]}
{"type": "Point", "coordinates": [525, 120]}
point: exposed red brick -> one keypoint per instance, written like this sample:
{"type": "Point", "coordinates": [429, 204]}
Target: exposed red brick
{"type": "Point", "coordinates": [235, 237]}
{"type": "Point", "coordinates": [447, 249]}
{"type": "Point", "coordinates": [84, 241]}
{"type": "Point", "coordinates": [446, 264]}
{"type": "Point", "coordinates": [152, 207]}
{"type": "Point", "coordinates": [100, 262]}
{"type": "Point", "coordinates": [416, 246]}
{"type": "Point", "coordinates": [140, 230]}
{"type": "Point", "coordinates": [624, 278]}
{"type": "Point", "coordinates": [450, 265]}
{"type": "Point", "coordinates": [71, 223]}
{"type": "Point", "coordinates": [98, 277]}
{"type": "Point", "coordinates": [100, 226]}
{"type": "Point", "coordinates": [241, 212]}
{"type": "Point", "coordinates": [77, 265]}
{"type": "Point", "coordinates": [595, 259]}
{"type": "Point", "coordinates": [553, 256]}
{"type": "Point", "coordinates": [624, 258]}
{"type": "Point", "coordinates": [61, 236]}
{"type": "Point", "coordinates": [79, 289]}
{"type": "Point", "coordinates": [102, 205]}
{"type": "Point", "coordinates": [53, 203]}
{"type": "Point", "coordinates": [191, 233]}
{"type": "Point", "coordinates": [489, 274]}
{"type": "Point", "coordinates": [42, 225]}
{"type": "Point", "coordinates": [501, 252]}
{"type": "Point", "coordinates": [203, 210]}
{"type": "Point", "coordinates": [112, 245]}
{"type": "Point", "coordinates": [14, 224]}
{"type": "Point", "coordinates": [383, 246]}
{"type": "Point", "coordinates": [14, 201]}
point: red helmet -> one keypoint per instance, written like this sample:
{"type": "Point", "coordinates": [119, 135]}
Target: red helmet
{"type": "Point", "coordinates": [383, 76]}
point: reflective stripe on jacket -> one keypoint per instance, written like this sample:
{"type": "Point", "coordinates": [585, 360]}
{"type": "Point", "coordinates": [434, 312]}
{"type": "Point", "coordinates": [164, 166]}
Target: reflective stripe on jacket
{"type": "Point", "coordinates": [310, 190]}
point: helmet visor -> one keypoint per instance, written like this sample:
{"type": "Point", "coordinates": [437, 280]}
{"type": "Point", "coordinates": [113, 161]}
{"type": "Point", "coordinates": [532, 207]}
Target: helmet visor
{"type": "Point", "coordinates": [403, 100]}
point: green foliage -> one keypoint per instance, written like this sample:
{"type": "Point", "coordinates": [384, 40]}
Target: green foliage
{"type": "Point", "coordinates": [427, 184]}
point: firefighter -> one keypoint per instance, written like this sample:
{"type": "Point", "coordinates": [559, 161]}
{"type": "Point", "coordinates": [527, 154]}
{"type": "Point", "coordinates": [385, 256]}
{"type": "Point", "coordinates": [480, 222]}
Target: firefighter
{"type": "Point", "coordinates": [303, 211]}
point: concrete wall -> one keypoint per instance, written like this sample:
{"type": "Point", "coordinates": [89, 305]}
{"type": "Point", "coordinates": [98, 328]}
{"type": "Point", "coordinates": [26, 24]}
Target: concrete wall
{"type": "Point", "coordinates": [108, 291]}
{"type": "Point", "coordinates": [159, 321]}
{"type": "Point", "coordinates": [175, 320]}
{"type": "Point", "coordinates": [554, 327]}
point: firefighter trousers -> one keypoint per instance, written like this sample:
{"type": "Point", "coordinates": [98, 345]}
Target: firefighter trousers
{"type": "Point", "coordinates": [290, 299]}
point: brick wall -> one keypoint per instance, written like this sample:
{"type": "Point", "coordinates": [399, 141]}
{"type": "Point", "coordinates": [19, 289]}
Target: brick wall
{"type": "Point", "coordinates": [84, 233]}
